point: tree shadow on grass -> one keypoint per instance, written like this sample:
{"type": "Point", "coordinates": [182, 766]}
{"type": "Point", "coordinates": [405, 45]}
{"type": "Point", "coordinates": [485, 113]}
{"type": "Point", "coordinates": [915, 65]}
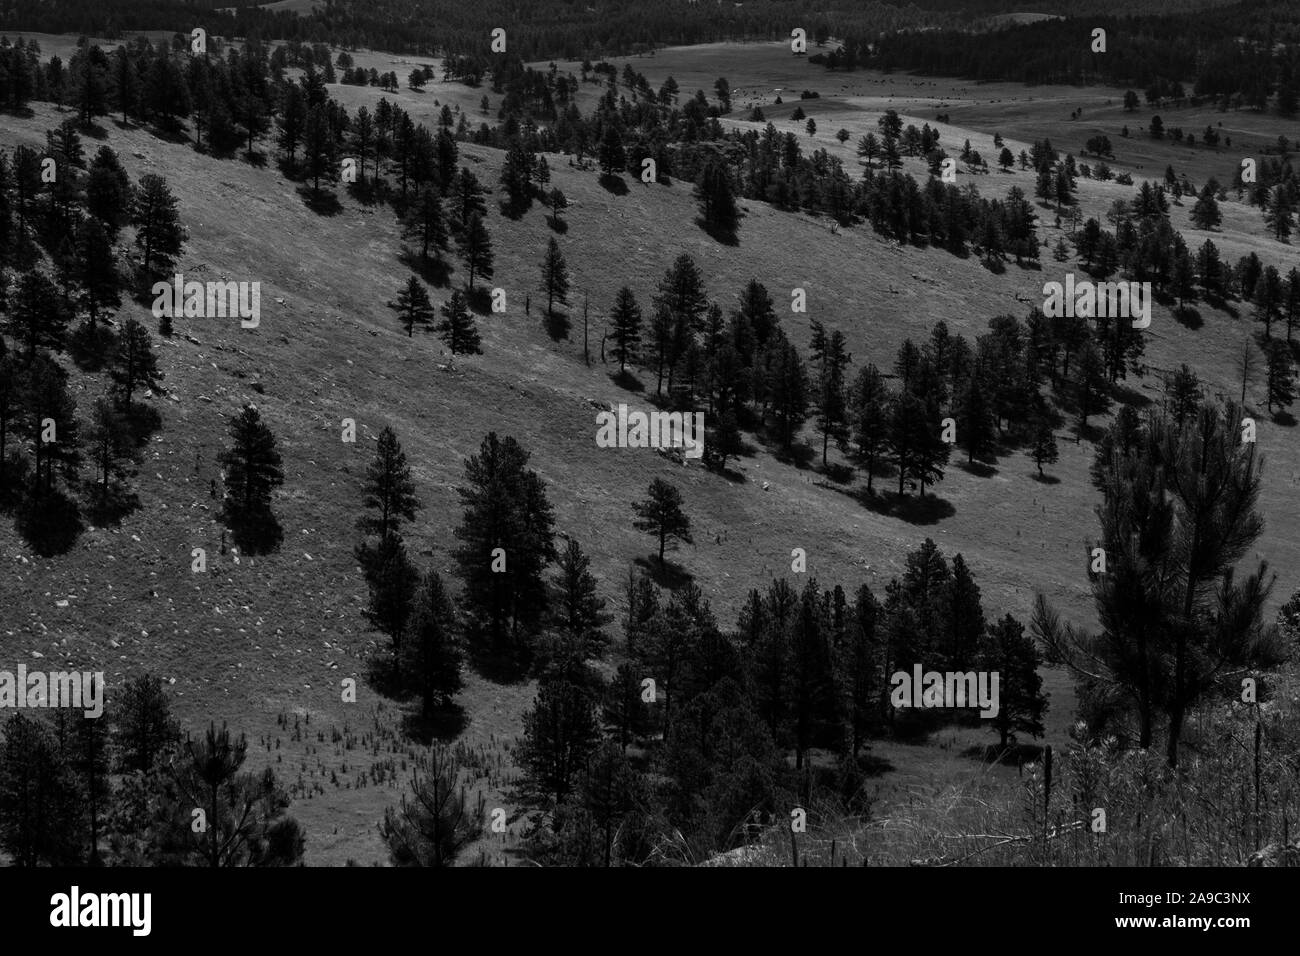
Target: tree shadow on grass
{"type": "Point", "coordinates": [798, 454]}
{"type": "Point", "coordinates": [324, 203]}
{"type": "Point", "coordinates": [980, 469]}
{"type": "Point", "coordinates": [723, 236]}
{"type": "Point", "coordinates": [1012, 755]}
{"type": "Point", "coordinates": [557, 224]}
{"type": "Point", "coordinates": [107, 508]}
{"type": "Point", "coordinates": [873, 765]}
{"type": "Point", "coordinates": [167, 133]}
{"type": "Point", "coordinates": [479, 300]}
{"type": "Point", "coordinates": [1045, 479]}
{"type": "Point", "coordinates": [625, 379]}
{"type": "Point", "coordinates": [382, 675]}
{"type": "Point", "coordinates": [914, 509]}
{"type": "Point", "coordinates": [500, 665]}
{"type": "Point", "coordinates": [93, 131]}
{"type": "Point", "coordinates": [614, 184]}
{"type": "Point", "coordinates": [435, 272]}
{"type": "Point", "coordinates": [1284, 418]}
{"type": "Point", "coordinates": [728, 474]}
{"type": "Point", "coordinates": [364, 193]}
{"type": "Point", "coordinates": [1189, 318]}
{"type": "Point", "coordinates": [838, 472]}
{"type": "Point", "coordinates": [255, 159]}
{"type": "Point", "coordinates": [556, 325]}
{"type": "Point", "coordinates": [445, 724]}
{"type": "Point", "coordinates": [668, 575]}
{"type": "Point", "coordinates": [1127, 395]}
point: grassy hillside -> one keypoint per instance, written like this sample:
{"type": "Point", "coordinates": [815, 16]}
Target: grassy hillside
{"type": "Point", "coordinates": [264, 643]}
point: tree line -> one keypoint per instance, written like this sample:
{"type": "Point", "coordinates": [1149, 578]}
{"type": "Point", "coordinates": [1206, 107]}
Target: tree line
{"type": "Point", "coordinates": [125, 789]}
{"type": "Point", "coordinates": [707, 745]}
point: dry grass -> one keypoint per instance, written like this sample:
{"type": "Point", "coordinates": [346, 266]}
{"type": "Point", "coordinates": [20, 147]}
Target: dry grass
{"type": "Point", "coordinates": [255, 639]}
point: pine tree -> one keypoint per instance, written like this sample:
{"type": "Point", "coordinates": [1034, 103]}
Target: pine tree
{"type": "Point", "coordinates": [1091, 387]}
{"type": "Point", "coordinates": [787, 386]}
{"type": "Point", "coordinates": [623, 711]}
{"type": "Point", "coordinates": [108, 192]}
{"type": "Point", "coordinates": [555, 276]}
{"type": "Point", "coordinates": [292, 123]}
{"type": "Point", "coordinates": [413, 306]}
{"type": "Point", "coordinates": [713, 192]}
{"type": "Point", "coordinates": [870, 419]}
{"type": "Point", "coordinates": [143, 726]}
{"type": "Point", "coordinates": [1279, 213]}
{"type": "Point", "coordinates": [723, 440]}
{"type": "Point", "coordinates": [809, 675]}
{"type": "Point", "coordinates": [319, 147]}
{"type": "Point", "coordinates": [1184, 391]}
{"type": "Point", "coordinates": [832, 400]}
{"type": "Point", "coordinates": [49, 405]}
{"type": "Point", "coordinates": [35, 315]}
{"type": "Point", "coordinates": [96, 268]}
{"type": "Point", "coordinates": [388, 489]}
{"type": "Point", "coordinates": [506, 538]}
{"type": "Point", "coordinates": [660, 514]}
{"type": "Point", "coordinates": [88, 72]}
{"type": "Point", "coordinates": [135, 365]}
{"type": "Point", "coordinates": [159, 233]}
{"type": "Point", "coordinates": [436, 821]}
{"type": "Point", "coordinates": [610, 155]}
{"type": "Point", "coordinates": [251, 473]}
{"type": "Point", "coordinates": [962, 615]}
{"type": "Point", "coordinates": [111, 446]}
{"type": "Point", "coordinates": [609, 792]}
{"type": "Point", "coordinates": [430, 654]}
{"type": "Point", "coordinates": [126, 84]}
{"type": "Point", "coordinates": [393, 580]}
{"type": "Point", "coordinates": [517, 176]}
{"type": "Point", "coordinates": [859, 668]}
{"type": "Point", "coordinates": [475, 246]}
{"type": "Point", "coordinates": [426, 224]}
{"type": "Point", "coordinates": [11, 397]}
{"type": "Point", "coordinates": [84, 745]}
{"type": "Point", "coordinates": [625, 327]}
{"type": "Point", "coordinates": [457, 327]}
{"type": "Point", "coordinates": [466, 201]}
{"type": "Point", "coordinates": [1177, 624]}
{"type": "Point", "coordinates": [1008, 652]}
{"type": "Point", "coordinates": [1281, 375]}
{"type": "Point", "coordinates": [1044, 450]}
{"type": "Point", "coordinates": [918, 451]}
{"type": "Point", "coordinates": [975, 422]}
{"type": "Point", "coordinates": [560, 733]}
{"type": "Point", "coordinates": [1205, 214]}
{"type": "Point", "coordinates": [577, 610]}
{"type": "Point", "coordinates": [245, 814]}
{"type": "Point", "coordinates": [1268, 298]}
{"type": "Point", "coordinates": [38, 805]}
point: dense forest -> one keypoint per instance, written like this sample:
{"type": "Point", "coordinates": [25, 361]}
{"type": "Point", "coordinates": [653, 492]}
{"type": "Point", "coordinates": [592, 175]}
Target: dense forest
{"type": "Point", "coordinates": [1248, 49]}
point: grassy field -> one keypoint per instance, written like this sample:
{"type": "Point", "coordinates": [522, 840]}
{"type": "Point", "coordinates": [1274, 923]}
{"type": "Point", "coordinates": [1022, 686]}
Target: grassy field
{"type": "Point", "coordinates": [265, 642]}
